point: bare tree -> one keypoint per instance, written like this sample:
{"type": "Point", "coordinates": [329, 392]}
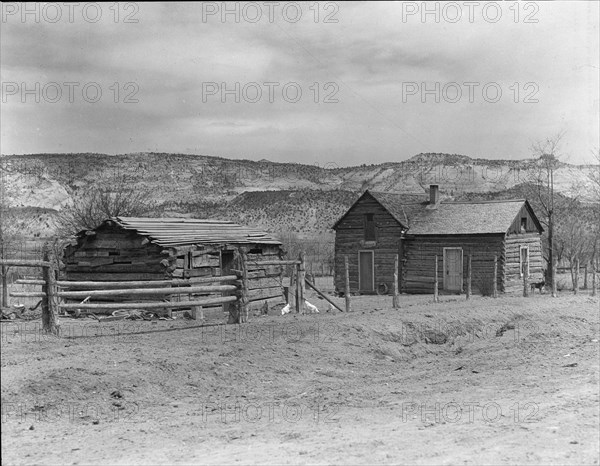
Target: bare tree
{"type": "Point", "coordinates": [594, 177]}
{"type": "Point", "coordinates": [574, 238]}
{"type": "Point", "coordinates": [9, 238]}
{"type": "Point", "coordinates": [547, 155]}
{"type": "Point", "coordinates": [114, 199]}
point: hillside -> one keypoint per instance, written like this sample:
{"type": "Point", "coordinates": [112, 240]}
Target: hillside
{"type": "Point", "coordinates": [274, 196]}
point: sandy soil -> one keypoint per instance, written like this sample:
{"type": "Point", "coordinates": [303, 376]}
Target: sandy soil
{"type": "Point", "coordinates": [505, 381]}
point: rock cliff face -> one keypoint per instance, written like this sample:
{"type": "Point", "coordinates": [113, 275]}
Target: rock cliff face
{"type": "Point", "coordinates": [275, 196]}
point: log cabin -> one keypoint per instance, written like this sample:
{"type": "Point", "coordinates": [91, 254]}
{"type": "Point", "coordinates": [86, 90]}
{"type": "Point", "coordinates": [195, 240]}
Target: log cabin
{"type": "Point", "coordinates": [131, 248]}
{"type": "Point", "coordinates": [379, 226]}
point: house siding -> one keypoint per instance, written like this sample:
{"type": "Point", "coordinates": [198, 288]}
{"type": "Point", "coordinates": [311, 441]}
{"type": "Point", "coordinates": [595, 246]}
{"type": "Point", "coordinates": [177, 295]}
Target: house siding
{"type": "Point", "coordinates": [419, 260]}
{"type": "Point", "coordinates": [350, 239]}
{"type": "Point", "coordinates": [513, 243]}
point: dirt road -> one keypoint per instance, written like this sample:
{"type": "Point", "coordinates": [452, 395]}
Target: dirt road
{"type": "Point", "coordinates": [484, 381]}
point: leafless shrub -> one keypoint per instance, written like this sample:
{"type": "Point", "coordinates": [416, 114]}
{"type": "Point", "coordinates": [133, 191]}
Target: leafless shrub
{"type": "Point", "coordinates": [100, 202]}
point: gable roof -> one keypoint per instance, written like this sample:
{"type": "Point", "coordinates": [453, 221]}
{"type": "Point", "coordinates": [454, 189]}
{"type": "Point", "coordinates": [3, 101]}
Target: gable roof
{"type": "Point", "coordinates": [396, 204]}
{"type": "Point", "coordinates": [469, 218]}
{"type": "Point", "coordinates": [449, 218]}
{"type": "Point", "coordinates": [186, 231]}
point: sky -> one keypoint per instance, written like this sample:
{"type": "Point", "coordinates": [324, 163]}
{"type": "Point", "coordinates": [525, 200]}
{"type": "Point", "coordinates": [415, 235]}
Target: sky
{"type": "Point", "coordinates": [320, 83]}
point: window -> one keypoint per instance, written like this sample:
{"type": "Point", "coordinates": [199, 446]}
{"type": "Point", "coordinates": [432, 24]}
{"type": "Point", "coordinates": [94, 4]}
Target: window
{"type": "Point", "coordinates": [369, 227]}
{"type": "Point", "coordinates": [523, 224]}
{"type": "Point", "coordinates": [524, 260]}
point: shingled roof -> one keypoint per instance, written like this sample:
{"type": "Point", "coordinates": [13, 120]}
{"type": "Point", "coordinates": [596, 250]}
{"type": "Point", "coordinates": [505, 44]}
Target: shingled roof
{"type": "Point", "coordinates": [185, 231]}
{"type": "Point", "coordinates": [398, 205]}
{"type": "Point", "coordinates": [466, 218]}
{"type": "Point", "coordinates": [449, 218]}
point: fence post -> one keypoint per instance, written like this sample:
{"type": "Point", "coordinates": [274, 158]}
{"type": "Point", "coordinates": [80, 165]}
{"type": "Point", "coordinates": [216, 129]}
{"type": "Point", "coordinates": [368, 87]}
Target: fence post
{"type": "Point", "coordinates": [4, 287]}
{"type": "Point", "coordinates": [554, 280]}
{"type": "Point", "coordinates": [245, 286]}
{"type": "Point", "coordinates": [50, 322]}
{"type": "Point", "coordinates": [198, 311]}
{"type": "Point", "coordinates": [576, 284]}
{"type": "Point", "coordinates": [435, 282]}
{"type": "Point", "coordinates": [395, 300]}
{"type": "Point", "coordinates": [525, 272]}
{"type": "Point", "coordinates": [237, 311]}
{"type": "Point", "coordinates": [297, 288]}
{"type": "Point", "coordinates": [469, 277]}
{"type": "Point", "coordinates": [495, 284]}
{"type": "Point", "coordinates": [292, 288]}
{"type": "Point", "coordinates": [301, 285]}
{"type": "Point", "coordinates": [347, 283]}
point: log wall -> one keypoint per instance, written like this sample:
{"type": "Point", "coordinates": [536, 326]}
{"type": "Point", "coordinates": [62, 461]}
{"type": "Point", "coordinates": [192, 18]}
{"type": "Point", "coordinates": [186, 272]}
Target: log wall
{"type": "Point", "coordinates": [350, 239]}
{"type": "Point", "coordinates": [265, 282]}
{"type": "Point", "coordinates": [418, 271]}
{"type": "Point", "coordinates": [116, 254]}
{"type": "Point", "coordinates": [512, 269]}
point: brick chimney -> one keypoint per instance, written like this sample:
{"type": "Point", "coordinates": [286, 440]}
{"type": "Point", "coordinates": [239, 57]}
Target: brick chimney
{"type": "Point", "coordinates": [434, 194]}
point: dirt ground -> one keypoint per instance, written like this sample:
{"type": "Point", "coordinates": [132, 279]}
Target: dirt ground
{"type": "Point", "coordinates": [486, 381]}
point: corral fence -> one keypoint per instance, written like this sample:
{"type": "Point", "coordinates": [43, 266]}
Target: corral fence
{"type": "Point", "coordinates": [244, 288]}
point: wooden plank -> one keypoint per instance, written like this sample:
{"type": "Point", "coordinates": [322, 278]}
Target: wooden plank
{"type": "Point", "coordinates": [27, 294]}
{"type": "Point", "coordinates": [180, 304]}
{"type": "Point", "coordinates": [347, 284]}
{"type": "Point", "coordinates": [150, 283]}
{"type": "Point", "coordinates": [245, 296]}
{"type": "Point", "coordinates": [395, 303]}
{"type": "Point", "coordinates": [469, 276]}
{"type": "Point", "coordinates": [50, 320]}
{"type": "Point", "coordinates": [264, 293]}
{"type": "Point", "coordinates": [495, 284]}
{"type": "Point", "coordinates": [301, 282]}
{"type": "Point", "coordinates": [435, 282]}
{"type": "Point", "coordinates": [292, 289]}
{"type": "Point", "coordinates": [323, 295]}
{"type": "Point", "coordinates": [24, 263]}
{"type": "Point", "coordinates": [155, 267]}
{"type": "Point", "coordinates": [269, 262]}
{"type": "Point", "coordinates": [147, 291]}
{"type": "Point", "coordinates": [98, 276]}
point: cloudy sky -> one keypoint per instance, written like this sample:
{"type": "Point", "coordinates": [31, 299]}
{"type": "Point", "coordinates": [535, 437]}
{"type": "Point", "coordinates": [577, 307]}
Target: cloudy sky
{"type": "Point", "coordinates": [317, 83]}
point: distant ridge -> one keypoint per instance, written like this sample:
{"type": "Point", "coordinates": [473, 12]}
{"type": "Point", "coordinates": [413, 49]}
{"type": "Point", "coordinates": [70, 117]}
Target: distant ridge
{"type": "Point", "coordinates": [265, 194]}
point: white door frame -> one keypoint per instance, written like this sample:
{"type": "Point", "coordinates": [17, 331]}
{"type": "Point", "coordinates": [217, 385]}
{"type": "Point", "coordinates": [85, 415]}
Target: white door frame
{"type": "Point", "coordinates": [372, 268]}
{"type": "Point", "coordinates": [526, 247]}
{"type": "Point", "coordinates": [461, 266]}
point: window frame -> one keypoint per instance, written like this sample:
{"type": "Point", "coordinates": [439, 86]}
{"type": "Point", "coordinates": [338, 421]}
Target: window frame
{"type": "Point", "coordinates": [526, 248]}
{"type": "Point", "coordinates": [366, 227]}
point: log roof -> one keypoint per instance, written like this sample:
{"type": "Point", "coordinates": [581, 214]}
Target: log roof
{"type": "Point", "coordinates": [449, 218]}
{"type": "Point", "coordinates": [187, 231]}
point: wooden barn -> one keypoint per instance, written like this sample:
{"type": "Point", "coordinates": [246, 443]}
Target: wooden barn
{"type": "Point", "coordinates": [129, 249]}
{"type": "Point", "coordinates": [380, 226]}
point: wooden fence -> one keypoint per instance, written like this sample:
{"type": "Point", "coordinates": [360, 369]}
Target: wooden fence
{"type": "Point", "coordinates": [249, 283]}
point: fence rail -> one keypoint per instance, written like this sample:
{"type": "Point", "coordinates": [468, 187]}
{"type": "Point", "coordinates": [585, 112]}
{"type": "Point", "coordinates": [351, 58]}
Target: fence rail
{"type": "Point", "coordinates": [132, 292]}
{"type": "Point", "coordinates": [117, 284]}
{"type": "Point", "coordinates": [163, 305]}
{"type": "Point", "coordinates": [240, 291]}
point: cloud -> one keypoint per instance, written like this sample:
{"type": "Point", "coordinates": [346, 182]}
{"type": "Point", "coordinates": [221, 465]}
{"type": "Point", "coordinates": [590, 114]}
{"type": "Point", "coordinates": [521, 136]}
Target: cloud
{"type": "Point", "coordinates": [359, 63]}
